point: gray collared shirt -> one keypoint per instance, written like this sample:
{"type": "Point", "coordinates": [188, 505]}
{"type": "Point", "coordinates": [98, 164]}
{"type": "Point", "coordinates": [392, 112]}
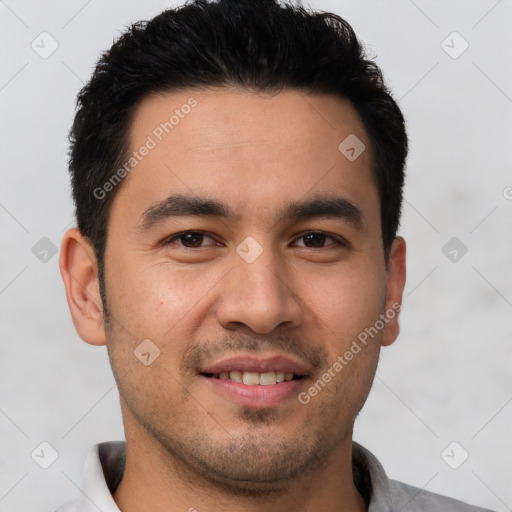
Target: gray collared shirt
{"type": "Point", "coordinates": [105, 462]}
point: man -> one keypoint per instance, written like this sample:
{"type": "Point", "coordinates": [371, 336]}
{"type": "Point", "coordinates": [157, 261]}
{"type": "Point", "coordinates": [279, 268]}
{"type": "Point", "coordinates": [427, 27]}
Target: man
{"type": "Point", "coordinates": [237, 170]}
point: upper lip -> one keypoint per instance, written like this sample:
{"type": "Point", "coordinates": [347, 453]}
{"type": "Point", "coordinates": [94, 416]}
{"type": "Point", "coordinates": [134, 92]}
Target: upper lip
{"type": "Point", "coordinates": [256, 363]}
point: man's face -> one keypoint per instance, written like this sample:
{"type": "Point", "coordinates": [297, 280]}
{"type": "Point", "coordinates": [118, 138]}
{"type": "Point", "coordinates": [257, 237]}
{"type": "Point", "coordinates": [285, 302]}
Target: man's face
{"type": "Point", "coordinates": [276, 268]}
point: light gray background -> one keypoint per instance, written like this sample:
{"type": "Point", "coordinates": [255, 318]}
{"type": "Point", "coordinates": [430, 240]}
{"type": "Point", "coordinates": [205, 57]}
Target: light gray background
{"type": "Point", "coordinates": [448, 376]}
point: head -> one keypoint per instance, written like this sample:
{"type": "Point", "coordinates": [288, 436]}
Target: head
{"type": "Point", "coordinates": [221, 217]}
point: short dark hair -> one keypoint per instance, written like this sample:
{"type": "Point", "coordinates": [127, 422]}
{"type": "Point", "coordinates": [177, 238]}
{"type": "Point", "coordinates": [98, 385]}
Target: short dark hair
{"type": "Point", "coordinates": [261, 46]}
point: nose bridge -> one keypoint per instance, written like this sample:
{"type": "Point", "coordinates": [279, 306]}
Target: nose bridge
{"type": "Point", "coordinates": [261, 279]}
{"type": "Point", "coordinates": [258, 294]}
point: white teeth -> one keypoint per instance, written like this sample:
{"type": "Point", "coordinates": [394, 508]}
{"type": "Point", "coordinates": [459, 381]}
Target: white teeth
{"type": "Point", "coordinates": [267, 378]}
{"type": "Point", "coordinates": [251, 378]}
{"type": "Point", "coordinates": [236, 376]}
{"type": "Point", "coordinates": [255, 378]}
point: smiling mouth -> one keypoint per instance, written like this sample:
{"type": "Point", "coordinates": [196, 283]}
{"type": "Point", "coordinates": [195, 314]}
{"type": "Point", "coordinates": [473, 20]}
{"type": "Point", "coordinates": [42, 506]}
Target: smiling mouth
{"type": "Point", "coordinates": [255, 378]}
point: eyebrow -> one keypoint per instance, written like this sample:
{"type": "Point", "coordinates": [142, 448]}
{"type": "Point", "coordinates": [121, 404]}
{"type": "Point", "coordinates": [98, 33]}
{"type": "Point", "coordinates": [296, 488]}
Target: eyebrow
{"type": "Point", "coordinates": [324, 206]}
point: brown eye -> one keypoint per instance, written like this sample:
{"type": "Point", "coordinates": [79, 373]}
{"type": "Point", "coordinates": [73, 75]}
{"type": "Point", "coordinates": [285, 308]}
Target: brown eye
{"type": "Point", "coordinates": [317, 240]}
{"type": "Point", "coordinates": [314, 239]}
{"type": "Point", "coordinates": [190, 239]}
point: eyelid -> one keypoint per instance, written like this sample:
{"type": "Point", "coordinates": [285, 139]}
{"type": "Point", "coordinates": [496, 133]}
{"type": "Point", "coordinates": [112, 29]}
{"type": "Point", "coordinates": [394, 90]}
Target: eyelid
{"type": "Point", "coordinates": [339, 240]}
{"type": "Point", "coordinates": [172, 238]}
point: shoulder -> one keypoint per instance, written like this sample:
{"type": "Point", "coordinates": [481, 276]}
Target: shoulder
{"type": "Point", "coordinates": [386, 495]}
{"type": "Point", "coordinates": [412, 499]}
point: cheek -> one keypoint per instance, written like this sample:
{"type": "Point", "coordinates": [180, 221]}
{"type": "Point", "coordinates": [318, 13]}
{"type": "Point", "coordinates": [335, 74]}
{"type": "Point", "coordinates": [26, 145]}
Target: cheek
{"type": "Point", "coordinates": [148, 304]}
{"type": "Point", "coordinates": [344, 302]}
{"type": "Point", "coordinates": [159, 300]}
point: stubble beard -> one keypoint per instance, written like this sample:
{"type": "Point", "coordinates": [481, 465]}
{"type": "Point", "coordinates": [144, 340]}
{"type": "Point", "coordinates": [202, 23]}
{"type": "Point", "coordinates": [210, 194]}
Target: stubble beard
{"type": "Point", "coordinates": [253, 463]}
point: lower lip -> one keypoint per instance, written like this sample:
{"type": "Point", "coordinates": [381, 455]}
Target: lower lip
{"type": "Point", "coordinates": [256, 396]}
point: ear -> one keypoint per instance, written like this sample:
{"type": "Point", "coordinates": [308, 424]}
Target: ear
{"type": "Point", "coordinates": [395, 288]}
{"type": "Point", "coordinates": [79, 270]}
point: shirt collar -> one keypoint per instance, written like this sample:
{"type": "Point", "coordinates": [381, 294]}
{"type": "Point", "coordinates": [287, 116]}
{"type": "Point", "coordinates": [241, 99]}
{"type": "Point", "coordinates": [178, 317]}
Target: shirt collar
{"type": "Point", "coordinates": [373, 483]}
{"type": "Point", "coordinates": [103, 466]}
{"type": "Point", "coordinates": [105, 463]}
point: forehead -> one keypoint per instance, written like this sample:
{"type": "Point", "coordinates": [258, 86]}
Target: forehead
{"type": "Point", "coordinates": [251, 148]}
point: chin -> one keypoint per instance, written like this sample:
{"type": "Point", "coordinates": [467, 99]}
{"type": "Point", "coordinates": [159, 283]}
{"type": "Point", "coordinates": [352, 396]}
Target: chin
{"type": "Point", "coordinates": [254, 464]}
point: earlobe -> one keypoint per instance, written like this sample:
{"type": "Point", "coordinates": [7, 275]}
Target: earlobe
{"type": "Point", "coordinates": [395, 288]}
{"type": "Point", "coordinates": [79, 271]}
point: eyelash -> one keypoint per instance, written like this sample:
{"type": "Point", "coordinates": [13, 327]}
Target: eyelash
{"type": "Point", "coordinates": [337, 240]}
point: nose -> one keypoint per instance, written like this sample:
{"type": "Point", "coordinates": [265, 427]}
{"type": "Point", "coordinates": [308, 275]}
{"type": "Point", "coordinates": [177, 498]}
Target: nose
{"type": "Point", "coordinates": [259, 295]}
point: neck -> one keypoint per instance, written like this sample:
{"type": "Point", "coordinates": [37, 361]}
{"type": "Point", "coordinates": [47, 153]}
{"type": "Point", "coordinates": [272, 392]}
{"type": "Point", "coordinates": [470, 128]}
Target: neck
{"type": "Point", "coordinates": [154, 480]}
